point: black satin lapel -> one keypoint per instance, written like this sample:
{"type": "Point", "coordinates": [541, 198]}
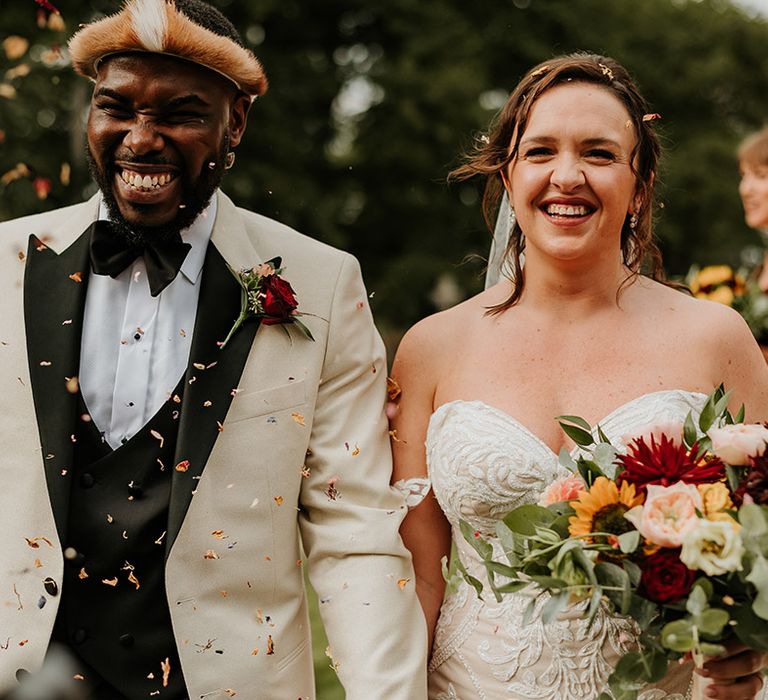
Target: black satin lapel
{"type": "Point", "coordinates": [54, 299]}
{"type": "Point", "coordinates": [212, 375]}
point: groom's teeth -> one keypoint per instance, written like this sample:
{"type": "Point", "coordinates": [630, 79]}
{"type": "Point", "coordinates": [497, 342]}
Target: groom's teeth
{"type": "Point", "coordinates": [145, 182]}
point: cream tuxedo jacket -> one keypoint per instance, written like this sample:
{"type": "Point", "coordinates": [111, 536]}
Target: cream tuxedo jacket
{"type": "Point", "coordinates": [303, 459]}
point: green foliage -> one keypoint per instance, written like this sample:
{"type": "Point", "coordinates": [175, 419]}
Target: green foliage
{"type": "Point", "coordinates": [371, 104]}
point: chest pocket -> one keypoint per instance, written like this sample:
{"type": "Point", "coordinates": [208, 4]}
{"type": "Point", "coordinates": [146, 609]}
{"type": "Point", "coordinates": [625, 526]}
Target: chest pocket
{"type": "Point", "coordinates": [266, 401]}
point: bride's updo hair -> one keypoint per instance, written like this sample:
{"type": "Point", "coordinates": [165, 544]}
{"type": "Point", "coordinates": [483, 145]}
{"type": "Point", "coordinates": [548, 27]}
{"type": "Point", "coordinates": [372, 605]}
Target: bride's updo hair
{"type": "Point", "coordinates": [493, 152]}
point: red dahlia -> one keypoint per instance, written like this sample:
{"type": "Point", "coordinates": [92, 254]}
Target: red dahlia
{"type": "Point", "coordinates": [665, 463]}
{"type": "Point", "coordinates": [755, 482]}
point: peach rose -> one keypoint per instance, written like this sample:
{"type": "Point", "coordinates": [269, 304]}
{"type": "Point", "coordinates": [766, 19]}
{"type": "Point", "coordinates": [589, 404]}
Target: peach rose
{"type": "Point", "coordinates": [565, 488]}
{"type": "Point", "coordinates": [668, 514]}
{"type": "Point", "coordinates": [735, 444]}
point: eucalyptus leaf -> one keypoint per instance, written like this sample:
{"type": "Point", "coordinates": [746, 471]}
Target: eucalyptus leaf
{"type": "Point", "coordinates": [697, 601]}
{"type": "Point", "coordinates": [707, 416]}
{"type": "Point", "coordinates": [581, 437]}
{"type": "Point", "coordinates": [604, 456]}
{"type": "Point", "coordinates": [634, 572]}
{"type": "Point", "coordinates": [611, 575]}
{"type": "Point", "coordinates": [721, 406]}
{"type": "Point", "coordinates": [712, 621]}
{"type": "Point", "coordinates": [501, 569]}
{"type": "Point", "coordinates": [529, 611]}
{"type": "Point", "coordinates": [734, 478]}
{"type": "Point", "coordinates": [549, 582]}
{"type": "Point", "coordinates": [754, 519]}
{"type": "Point", "coordinates": [524, 519]}
{"type": "Point", "coordinates": [554, 606]}
{"type": "Point", "coordinates": [483, 548]}
{"type": "Point", "coordinates": [471, 580]}
{"type": "Point", "coordinates": [512, 587]}
{"type": "Point", "coordinates": [678, 636]}
{"type": "Point", "coordinates": [508, 543]}
{"type": "Point", "coordinates": [690, 434]}
{"type": "Point", "coordinates": [628, 541]}
{"type": "Point", "coordinates": [566, 460]}
{"type": "Point", "coordinates": [575, 420]}
{"type": "Point", "coordinates": [759, 578]}
{"type": "Point", "coordinates": [749, 628]}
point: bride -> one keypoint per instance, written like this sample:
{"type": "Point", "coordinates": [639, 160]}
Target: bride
{"type": "Point", "coordinates": [578, 330]}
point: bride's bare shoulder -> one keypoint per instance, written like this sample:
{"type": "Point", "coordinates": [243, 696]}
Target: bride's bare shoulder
{"type": "Point", "coordinates": [440, 335]}
{"type": "Point", "coordinates": [686, 311]}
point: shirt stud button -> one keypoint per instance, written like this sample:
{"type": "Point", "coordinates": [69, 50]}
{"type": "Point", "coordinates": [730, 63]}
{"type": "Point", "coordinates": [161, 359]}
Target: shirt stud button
{"type": "Point", "coordinates": [126, 640]}
{"type": "Point", "coordinates": [51, 587]}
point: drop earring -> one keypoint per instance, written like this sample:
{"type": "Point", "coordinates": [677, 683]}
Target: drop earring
{"type": "Point", "coordinates": [229, 160]}
{"type": "Point", "coordinates": [633, 221]}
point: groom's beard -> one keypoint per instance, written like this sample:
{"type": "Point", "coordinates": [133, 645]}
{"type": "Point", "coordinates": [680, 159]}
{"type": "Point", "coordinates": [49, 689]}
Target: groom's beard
{"type": "Point", "coordinates": [196, 194]}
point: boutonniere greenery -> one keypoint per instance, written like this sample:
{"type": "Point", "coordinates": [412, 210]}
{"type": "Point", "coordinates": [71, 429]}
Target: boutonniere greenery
{"type": "Point", "coordinates": [265, 295]}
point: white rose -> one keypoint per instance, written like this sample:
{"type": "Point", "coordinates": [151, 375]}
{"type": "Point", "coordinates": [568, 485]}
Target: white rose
{"type": "Point", "coordinates": [735, 444]}
{"type": "Point", "coordinates": [715, 547]}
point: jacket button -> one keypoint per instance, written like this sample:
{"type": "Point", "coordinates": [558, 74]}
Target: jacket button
{"type": "Point", "coordinates": [51, 587]}
{"type": "Point", "coordinates": [126, 640]}
{"type": "Point", "coordinates": [87, 480]}
{"type": "Point", "coordinates": [22, 674]}
{"type": "Point", "coordinates": [79, 635]}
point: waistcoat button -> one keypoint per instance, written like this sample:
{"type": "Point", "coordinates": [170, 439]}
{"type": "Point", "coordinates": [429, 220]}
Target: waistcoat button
{"type": "Point", "coordinates": [126, 640]}
{"type": "Point", "coordinates": [87, 480]}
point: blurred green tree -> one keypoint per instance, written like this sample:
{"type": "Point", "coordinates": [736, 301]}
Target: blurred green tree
{"type": "Point", "coordinates": [371, 104]}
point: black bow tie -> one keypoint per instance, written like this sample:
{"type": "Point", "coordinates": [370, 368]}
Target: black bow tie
{"type": "Point", "coordinates": [111, 254]}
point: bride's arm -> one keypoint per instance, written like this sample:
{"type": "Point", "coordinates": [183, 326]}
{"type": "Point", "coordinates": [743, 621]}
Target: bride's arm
{"type": "Point", "coordinates": [425, 530]}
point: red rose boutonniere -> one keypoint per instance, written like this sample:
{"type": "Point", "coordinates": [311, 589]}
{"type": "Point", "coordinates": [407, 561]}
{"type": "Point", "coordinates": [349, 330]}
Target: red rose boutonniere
{"type": "Point", "coordinates": [265, 295]}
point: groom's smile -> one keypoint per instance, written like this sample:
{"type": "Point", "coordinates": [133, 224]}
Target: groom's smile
{"type": "Point", "coordinates": [157, 144]}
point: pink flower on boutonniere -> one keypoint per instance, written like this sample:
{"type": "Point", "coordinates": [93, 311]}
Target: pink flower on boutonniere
{"type": "Point", "coordinates": [265, 295]}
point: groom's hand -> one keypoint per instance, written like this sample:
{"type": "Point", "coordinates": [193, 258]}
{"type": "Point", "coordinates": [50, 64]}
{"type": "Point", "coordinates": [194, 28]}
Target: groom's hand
{"type": "Point", "coordinates": [736, 675]}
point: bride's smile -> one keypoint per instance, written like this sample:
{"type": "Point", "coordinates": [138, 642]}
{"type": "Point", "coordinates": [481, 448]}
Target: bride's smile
{"type": "Point", "coordinates": [571, 181]}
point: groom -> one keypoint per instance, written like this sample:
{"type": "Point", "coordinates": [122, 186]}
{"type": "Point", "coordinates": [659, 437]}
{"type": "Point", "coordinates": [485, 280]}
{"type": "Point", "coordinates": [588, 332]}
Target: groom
{"type": "Point", "coordinates": [158, 486]}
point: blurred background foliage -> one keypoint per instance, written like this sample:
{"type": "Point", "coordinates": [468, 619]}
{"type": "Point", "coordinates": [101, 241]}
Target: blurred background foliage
{"type": "Point", "coordinates": [371, 104]}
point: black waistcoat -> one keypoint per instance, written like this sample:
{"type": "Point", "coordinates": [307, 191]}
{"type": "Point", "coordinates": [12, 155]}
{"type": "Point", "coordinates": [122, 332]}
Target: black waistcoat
{"type": "Point", "coordinates": [114, 611]}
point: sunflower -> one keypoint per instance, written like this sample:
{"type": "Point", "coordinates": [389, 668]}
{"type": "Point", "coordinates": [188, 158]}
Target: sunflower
{"type": "Point", "coordinates": [602, 508]}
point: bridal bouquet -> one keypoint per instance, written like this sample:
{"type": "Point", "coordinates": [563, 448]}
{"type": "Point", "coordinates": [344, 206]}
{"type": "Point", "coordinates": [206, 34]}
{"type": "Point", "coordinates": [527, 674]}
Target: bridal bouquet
{"type": "Point", "coordinates": [671, 532]}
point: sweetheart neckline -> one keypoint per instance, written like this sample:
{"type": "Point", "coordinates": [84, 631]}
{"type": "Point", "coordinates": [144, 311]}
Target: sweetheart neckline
{"type": "Point", "coordinates": [510, 418]}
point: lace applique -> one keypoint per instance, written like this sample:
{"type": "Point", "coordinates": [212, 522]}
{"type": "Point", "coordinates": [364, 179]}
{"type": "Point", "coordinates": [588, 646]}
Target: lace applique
{"type": "Point", "coordinates": [482, 463]}
{"type": "Point", "coordinates": [449, 694]}
{"type": "Point", "coordinates": [413, 490]}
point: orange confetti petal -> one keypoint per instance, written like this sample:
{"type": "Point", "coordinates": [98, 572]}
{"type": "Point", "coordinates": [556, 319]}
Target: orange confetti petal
{"type": "Point", "coordinates": [182, 466]}
{"type": "Point", "coordinates": [210, 554]}
{"type": "Point", "coordinates": [298, 418]}
{"type": "Point", "coordinates": [110, 581]}
{"type": "Point", "coordinates": [279, 500]}
{"type": "Point", "coordinates": [402, 583]}
{"type": "Point", "coordinates": [76, 277]}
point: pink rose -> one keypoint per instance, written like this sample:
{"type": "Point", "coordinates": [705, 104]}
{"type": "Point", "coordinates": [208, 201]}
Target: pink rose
{"type": "Point", "coordinates": [735, 444]}
{"type": "Point", "coordinates": [672, 429]}
{"type": "Point", "coordinates": [566, 488]}
{"type": "Point", "coordinates": [668, 514]}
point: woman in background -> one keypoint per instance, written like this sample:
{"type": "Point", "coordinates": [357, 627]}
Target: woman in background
{"type": "Point", "coordinates": [753, 188]}
{"type": "Point", "coordinates": [577, 330]}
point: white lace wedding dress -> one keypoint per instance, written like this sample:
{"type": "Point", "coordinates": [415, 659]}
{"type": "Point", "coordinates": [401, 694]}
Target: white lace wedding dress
{"type": "Point", "coordinates": [483, 463]}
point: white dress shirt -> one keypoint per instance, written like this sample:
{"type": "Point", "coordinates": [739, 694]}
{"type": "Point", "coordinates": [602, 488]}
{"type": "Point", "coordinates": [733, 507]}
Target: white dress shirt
{"type": "Point", "coordinates": [135, 347]}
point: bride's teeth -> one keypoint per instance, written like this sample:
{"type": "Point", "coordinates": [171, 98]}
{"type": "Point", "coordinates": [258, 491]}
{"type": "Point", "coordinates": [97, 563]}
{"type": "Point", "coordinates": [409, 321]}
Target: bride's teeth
{"type": "Point", "coordinates": [154, 182]}
{"type": "Point", "coordinates": [161, 180]}
{"type": "Point", "coordinates": [146, 182]}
